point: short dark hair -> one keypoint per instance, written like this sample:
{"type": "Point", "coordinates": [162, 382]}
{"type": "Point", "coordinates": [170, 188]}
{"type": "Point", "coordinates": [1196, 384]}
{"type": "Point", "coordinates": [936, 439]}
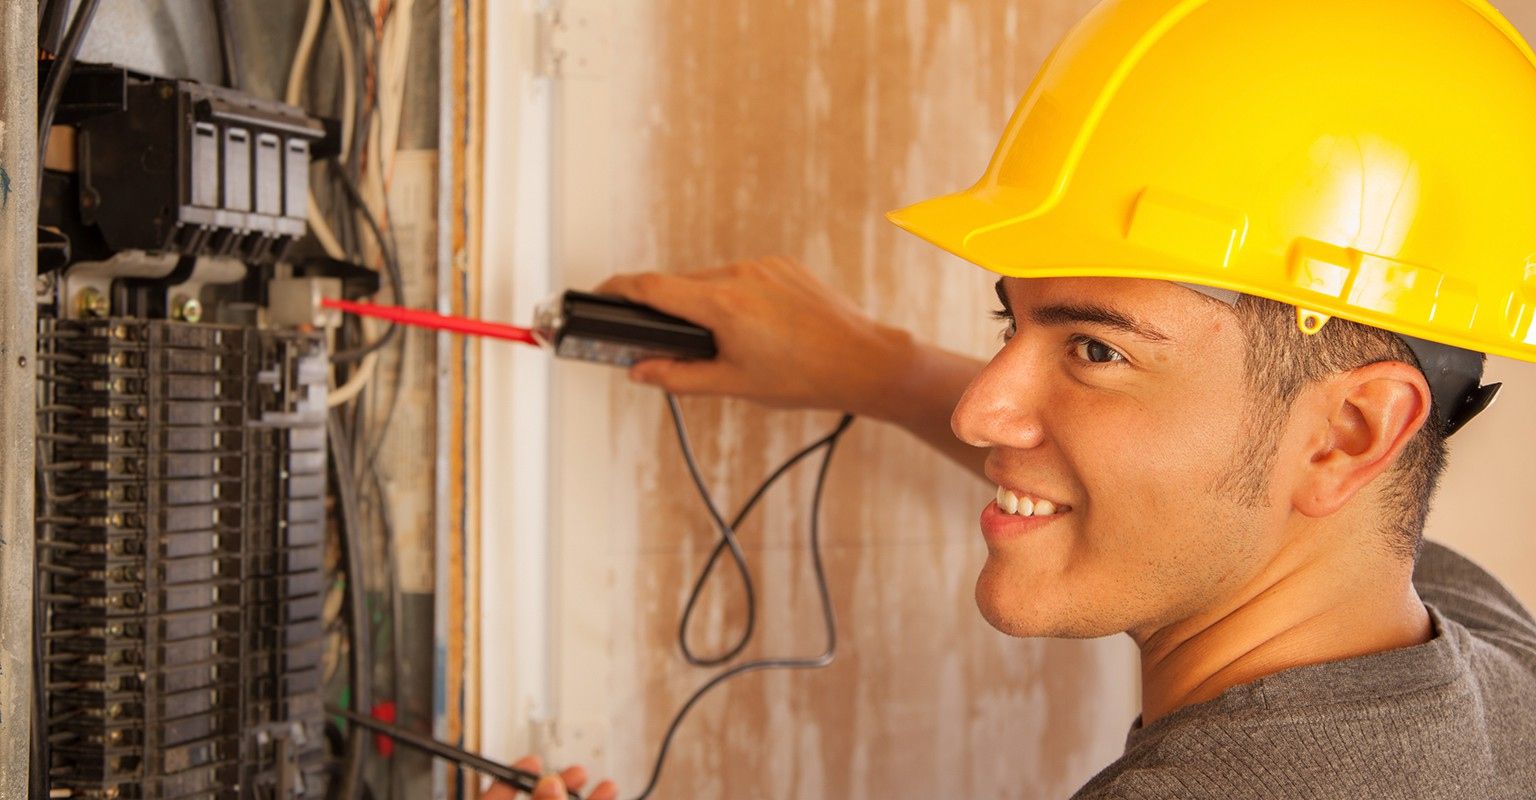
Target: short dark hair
{"type": "Point", "coordinates": [1281, 361]}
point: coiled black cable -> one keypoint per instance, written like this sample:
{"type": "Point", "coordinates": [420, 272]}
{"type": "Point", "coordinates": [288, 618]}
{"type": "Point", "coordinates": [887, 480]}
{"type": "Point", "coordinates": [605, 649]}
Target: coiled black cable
{"type": "Point", "coordinates": [729, 541]}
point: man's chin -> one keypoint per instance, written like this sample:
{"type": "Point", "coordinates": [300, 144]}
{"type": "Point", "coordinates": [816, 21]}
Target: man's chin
{"type": "Point", "coordinates": [1030, 611]}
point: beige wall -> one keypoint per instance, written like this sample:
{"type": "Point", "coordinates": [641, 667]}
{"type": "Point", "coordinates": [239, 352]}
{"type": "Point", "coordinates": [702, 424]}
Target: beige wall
{"type": "Point", "coordinates": [691, 132]}
{"type": "Point", "coordinates": [719, 129]}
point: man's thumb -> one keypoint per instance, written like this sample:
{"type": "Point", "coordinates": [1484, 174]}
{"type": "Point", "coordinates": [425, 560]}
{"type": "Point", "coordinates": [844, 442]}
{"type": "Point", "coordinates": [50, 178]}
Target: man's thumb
{"type": "Point", "coordinates": [681, 377]}
{"type": "Point", "coordinates": [550, 787]}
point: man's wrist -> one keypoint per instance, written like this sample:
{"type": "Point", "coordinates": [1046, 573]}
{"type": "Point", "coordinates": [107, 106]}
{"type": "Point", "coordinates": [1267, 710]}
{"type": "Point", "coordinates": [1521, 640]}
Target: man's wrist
{"type": "Point", "coordinates": [881, 384]}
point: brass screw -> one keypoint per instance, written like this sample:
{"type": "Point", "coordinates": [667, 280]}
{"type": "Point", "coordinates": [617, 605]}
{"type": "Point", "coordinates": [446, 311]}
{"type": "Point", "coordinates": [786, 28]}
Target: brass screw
{"type": "Point", "coordinates": [91, 302]}
{"type": "Point", "coordinates": [187, 309]}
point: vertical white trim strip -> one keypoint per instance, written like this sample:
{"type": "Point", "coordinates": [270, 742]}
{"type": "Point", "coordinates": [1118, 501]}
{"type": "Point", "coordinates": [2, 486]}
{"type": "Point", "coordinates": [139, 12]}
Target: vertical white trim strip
{"type": "Point", "coordinates": [515, 613]}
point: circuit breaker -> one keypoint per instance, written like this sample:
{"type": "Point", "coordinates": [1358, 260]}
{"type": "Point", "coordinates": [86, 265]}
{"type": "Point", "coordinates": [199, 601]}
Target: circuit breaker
{"type": "Point", "coordinates": [175, 166]}
{"type": "Point", "coordinates": [181, 537]}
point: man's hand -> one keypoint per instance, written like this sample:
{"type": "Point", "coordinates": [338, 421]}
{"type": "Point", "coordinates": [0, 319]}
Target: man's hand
{"type": "Point", "coordinates": [785, 339]}
{"type": "Point", "coordinates": [552, 787]}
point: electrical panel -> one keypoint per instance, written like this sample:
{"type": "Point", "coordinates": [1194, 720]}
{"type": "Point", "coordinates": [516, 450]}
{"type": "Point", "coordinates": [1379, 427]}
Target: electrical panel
{"type": "Point", "coordinates": [181, 536]}
{"type": "Point", "coordinates": [211, 171]}
{"type": "Point", "coordinates": [182, 493]}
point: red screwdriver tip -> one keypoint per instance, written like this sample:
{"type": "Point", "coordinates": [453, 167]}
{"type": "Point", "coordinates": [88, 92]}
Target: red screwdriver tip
{"type": "Point", "coordinates": [467, 326]}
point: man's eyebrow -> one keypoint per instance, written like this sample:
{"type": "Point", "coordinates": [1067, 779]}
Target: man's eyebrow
{"type": "Point", "coordinates": [1089, 313]}
{"type": "Point", "coordinates": [1093, 314]}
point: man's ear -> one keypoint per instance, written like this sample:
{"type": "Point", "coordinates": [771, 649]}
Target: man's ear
{"type": "Point", "coordinates": [1363, 420]}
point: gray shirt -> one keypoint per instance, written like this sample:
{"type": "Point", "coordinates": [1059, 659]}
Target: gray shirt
{"type": "Point", "coordinates": [1452, 718]}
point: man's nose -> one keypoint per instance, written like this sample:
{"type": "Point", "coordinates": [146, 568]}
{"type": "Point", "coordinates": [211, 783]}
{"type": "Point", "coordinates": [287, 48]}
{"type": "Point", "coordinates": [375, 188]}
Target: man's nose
{"type": "Point", "coordinates": [1001, 406]}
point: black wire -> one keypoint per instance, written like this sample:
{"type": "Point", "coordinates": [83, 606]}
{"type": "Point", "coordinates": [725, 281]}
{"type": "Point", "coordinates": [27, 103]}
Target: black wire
{"type": "Point", "coordinates": [727, 539]}
{"type": "Point", "coordinates": [362, 693]}
{"type": "Point", "coordinates": [724, 543]}
{"type": "Point", "coordinates": [58, 75]}
{"type": "Point", "coordinates": [229, 50]}
{"type": "Point", "coordinates": [827, 443]}
{"type": "Point", "coordinates": [391, 269]}
{"type": "Point", "coordinates": [358, 26]}
{"type": "Point", "coordinates": [51, 24]}
{"type": "Point", "coordinates": [399, 372]}
{"type": "Point", "coordinates": [829, 615]}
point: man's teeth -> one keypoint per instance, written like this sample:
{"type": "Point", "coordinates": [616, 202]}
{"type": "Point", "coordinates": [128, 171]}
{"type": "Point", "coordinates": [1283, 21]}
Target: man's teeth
{"type": "Point", "coordinates": [1010, 503]}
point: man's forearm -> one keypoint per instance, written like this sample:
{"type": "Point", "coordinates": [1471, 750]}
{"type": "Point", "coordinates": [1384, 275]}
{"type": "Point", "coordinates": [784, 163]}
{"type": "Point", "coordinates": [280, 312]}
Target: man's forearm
{"type": "Point", "coordinates": [920, 388]}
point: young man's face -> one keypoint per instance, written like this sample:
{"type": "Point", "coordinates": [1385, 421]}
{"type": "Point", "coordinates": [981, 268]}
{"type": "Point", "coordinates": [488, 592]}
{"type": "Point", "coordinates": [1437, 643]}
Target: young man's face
{"type": "Point", "coordinates": [1123, 403]}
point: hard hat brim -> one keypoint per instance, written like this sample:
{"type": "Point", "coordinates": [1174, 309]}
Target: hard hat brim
{"type": "Point", "coordinates": [982, 225]}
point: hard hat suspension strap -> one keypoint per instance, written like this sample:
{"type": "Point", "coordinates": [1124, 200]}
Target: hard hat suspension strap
{"type": "Point", "coordinates": [1455, 375]}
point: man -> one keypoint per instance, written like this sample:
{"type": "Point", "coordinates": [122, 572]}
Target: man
{"type": "Point", "coordinates": [1251, 256]}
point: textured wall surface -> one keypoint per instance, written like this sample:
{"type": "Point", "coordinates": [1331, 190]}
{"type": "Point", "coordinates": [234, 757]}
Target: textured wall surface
{"type": "Point", "coordinates": [692, 132]}
{"type": "Point", "coordinates": [717, 130]}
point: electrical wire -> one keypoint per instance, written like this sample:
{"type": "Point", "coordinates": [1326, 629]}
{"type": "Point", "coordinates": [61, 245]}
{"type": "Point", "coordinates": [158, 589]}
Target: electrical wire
{"type": "Point", "coordinates": [722, 546]}
{"type": "Point", "coordinates": [394, 59]}
{"type": "Point", "coordinates": [51, 24]}
{"type": "Point", "coordinates": [355, 384]}
{"type": "Point", "coordinates": [828, 444]}
{"type": "Point", "coordinates": [356, 39]}
{"type": "Point", "coordinates": [362, 692]}
{"type": "Point", "coordinates": [58, 75]}
{"type": "Point", "coordinates": [391, 268]}
{"type": "Point", "coordinates": [299, 69]}
{"type": "Point", "coordinates": [397, 612]}
{"type": "Point", "coordinates": [828, 613]}
{"type": "Point", "coordinates": [365, 55]}
{"type": "Point", "coordinates": [349, 77]}
{"type": "Point", "coordinates": [229, 51]}
{"type": "Point", "coordinates": [357, 381]}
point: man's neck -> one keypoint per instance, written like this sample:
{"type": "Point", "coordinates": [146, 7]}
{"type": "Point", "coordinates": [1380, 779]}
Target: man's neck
{"type": "Point", "coordinates": [1302, 609]}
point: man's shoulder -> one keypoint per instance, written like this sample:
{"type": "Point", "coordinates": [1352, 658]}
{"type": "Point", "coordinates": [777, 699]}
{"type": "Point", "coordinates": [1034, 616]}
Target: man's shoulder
{"type": "Point", "coordinates": [1470, 596]}
{"type": "Point", "coordinates": [1338, 750]}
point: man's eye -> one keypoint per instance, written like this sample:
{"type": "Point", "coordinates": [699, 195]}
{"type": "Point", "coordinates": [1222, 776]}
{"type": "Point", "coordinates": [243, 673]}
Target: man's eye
{"type": "Point", "coordinates": [1094, 351]}
{"type": "Point", "coordinates": [1011, 325]}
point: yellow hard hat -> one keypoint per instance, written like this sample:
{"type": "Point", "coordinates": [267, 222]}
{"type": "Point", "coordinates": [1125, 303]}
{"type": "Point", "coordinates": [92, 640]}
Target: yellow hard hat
{"type": "Point", "coordinates": [1371, 160]}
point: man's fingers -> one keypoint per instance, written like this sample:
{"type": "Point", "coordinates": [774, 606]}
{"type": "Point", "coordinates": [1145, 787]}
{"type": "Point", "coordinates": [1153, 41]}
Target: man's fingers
{"type": "Point", "coordinates": [574, 777]}
{"type": "Point", "coordinates": [550, 787]}
{"type": "Point", "coordinates": [500, 791]}
{"type": "Point", "coordinates": [682, 377]}
{"type": "Point", "coordinates": [529, 764]}
{"type": "Point", "coordinates": [605, 791]}
{"type": "Point", "coordinates": [672, 294]}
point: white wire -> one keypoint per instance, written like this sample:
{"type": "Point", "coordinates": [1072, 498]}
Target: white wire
{"type": "Point", "coordinates": [341, 395]}
{"type": "Point", "coordinates": [297, 73]}
{"type": "Point", "coordinates": [301, 57]}
{"type": "Point", "coordinates": [355, 384]}
{"type": "Point", "coordinates": [321, 228]}
{"type": "Point", "coordinates": [394, 59]}
{"type": "Point", "coordinates": [349, 78]}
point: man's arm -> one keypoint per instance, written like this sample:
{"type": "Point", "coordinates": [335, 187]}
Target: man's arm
{"type": "Point", "coordinates": [787, 340]}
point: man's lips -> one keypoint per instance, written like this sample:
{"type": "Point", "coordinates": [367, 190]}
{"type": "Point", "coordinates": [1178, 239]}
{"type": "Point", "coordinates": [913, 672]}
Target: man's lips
{"type": "Point", "coordinates": [999, 526]}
